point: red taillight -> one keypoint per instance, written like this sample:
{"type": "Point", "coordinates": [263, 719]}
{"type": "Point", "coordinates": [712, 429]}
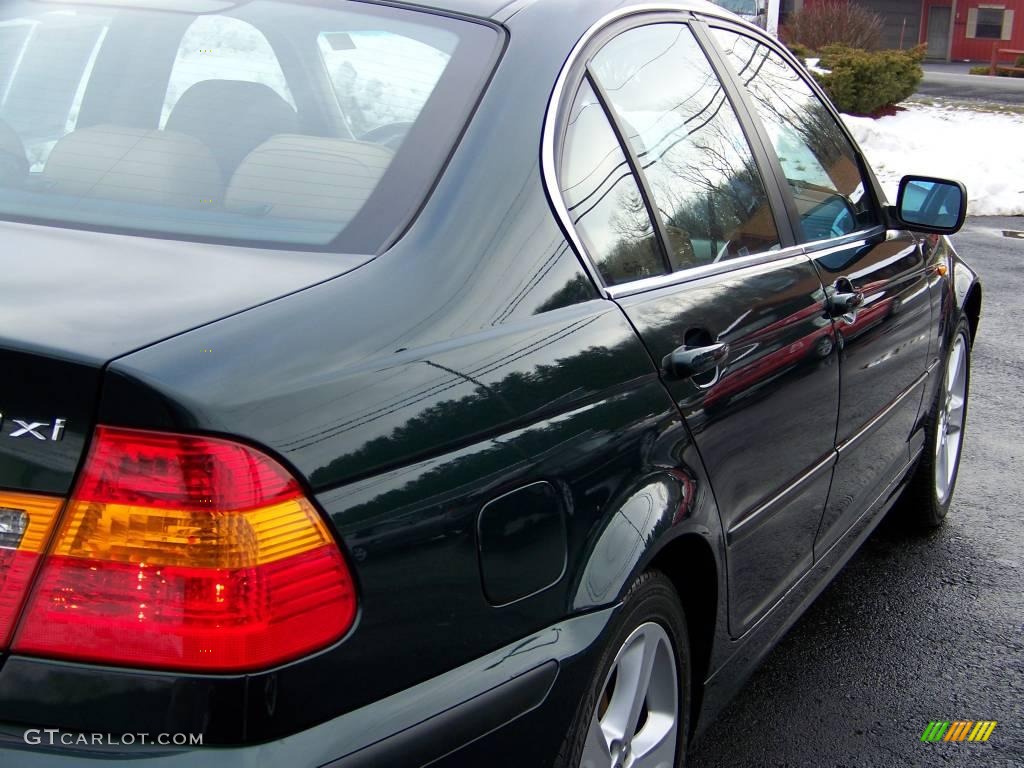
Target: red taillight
{"type": "Point", "coordinates": [184, 552]}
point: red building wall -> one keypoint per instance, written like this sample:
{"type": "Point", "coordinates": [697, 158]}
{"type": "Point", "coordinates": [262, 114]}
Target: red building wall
{"type": "Point", "coordinates": [980, 49]}
{"type": "Point", "coordinates": [963, 48]}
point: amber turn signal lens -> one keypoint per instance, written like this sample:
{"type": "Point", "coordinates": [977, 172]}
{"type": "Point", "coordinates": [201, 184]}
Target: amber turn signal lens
{"type": "Point", "coordinates": [26, 521]}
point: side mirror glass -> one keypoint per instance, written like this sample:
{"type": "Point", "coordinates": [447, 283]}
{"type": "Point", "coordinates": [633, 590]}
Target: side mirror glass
{"type": "Point", "coordinates": [926, 204]}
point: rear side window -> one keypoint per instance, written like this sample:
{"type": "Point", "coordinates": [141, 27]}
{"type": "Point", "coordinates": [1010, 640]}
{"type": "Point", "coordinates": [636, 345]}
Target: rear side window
{"type": "Point", "coordinates": [674, 111]}
{"type": "Point", "coordinates": [269, 123]}
{"type": "Point", "coordinates": [603, 198]}
{"type": "Point", "coordinates": [816, 157]}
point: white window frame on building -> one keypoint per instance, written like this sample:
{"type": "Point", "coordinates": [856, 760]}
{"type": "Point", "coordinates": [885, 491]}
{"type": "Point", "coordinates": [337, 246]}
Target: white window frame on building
{"type": "Point", "coordinates": [976, 19]}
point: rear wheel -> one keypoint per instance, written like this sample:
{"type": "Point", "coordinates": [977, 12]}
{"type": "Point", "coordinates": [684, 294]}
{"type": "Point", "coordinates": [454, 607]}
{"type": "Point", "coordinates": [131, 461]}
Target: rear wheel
{"type": "Point", "coordinates": [931, 491]}
{"type": "Point", "coordinates": [636, 712]}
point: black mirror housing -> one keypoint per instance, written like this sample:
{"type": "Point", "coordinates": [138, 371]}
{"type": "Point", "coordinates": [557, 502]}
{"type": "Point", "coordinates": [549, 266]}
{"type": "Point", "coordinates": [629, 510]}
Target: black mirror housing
{"type": "Point", "coordinates": [932, 205]}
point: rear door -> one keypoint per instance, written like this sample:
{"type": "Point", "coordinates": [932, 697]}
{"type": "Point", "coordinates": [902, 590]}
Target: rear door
{"type": "Point", "coordinates": [876, 280]}
{"type": "Point", "coordinates": [685, 231]}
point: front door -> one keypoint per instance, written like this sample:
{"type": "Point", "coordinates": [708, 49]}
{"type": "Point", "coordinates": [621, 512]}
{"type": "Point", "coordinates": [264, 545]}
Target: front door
{"type": "Point", "coordinates": [938, 31]}
{"type": "Point", "coordinates": [683, 229]}
{"type": "Point", "coordinates": [876, 282]}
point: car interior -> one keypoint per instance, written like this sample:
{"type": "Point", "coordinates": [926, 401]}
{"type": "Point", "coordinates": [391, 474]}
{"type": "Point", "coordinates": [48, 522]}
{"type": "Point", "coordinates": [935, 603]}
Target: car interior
{"type": "Point", "coordinates": [222, 124]}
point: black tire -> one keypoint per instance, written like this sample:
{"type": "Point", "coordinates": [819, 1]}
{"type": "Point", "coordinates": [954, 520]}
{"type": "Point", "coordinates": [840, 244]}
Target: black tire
{"type": "Point", "coordinates": [652, 598]}
{"type": "Point", "coordinates": [922, 506]}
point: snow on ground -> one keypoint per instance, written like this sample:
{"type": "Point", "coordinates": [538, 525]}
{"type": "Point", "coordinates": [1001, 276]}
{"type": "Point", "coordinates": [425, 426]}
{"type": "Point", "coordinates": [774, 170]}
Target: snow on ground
{"type": "Point", "coordinates": [984, 150]}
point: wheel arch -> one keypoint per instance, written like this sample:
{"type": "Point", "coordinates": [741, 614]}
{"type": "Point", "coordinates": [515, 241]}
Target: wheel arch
{"type": "Point", "coordinates": [972, 309]}
{"type": "Point", "coordinates": [690, 564]}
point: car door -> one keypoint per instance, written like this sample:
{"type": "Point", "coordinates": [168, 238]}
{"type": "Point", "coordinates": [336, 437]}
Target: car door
{"type": "Point", "coordinates": [876, 279]}
{"type": "Point", "coordinates": [689, 236]}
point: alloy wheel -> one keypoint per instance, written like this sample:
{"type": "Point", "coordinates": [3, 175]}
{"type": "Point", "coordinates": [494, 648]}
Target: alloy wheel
{"type": "Point", "coordinates": [635, 723]}
{"type": "Point", "coordinates": [950, 423]}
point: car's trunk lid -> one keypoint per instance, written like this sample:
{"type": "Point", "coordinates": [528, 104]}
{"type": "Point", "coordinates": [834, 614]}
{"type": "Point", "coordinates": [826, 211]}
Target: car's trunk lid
{"type": "Point", "coordinates": [74, 300]}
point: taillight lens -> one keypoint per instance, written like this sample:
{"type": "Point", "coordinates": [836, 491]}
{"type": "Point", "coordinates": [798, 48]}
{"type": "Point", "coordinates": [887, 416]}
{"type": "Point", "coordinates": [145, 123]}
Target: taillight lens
{"type": "Point", "coordinates": [26, 522]}
{"type": "Point", "coordinates": [190, 553]}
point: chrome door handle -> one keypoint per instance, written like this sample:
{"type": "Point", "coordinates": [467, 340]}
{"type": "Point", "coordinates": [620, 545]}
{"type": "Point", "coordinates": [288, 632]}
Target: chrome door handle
{"type": "Point", "coordinates": [843, 298]}
{"type": "Point", "coordinates": [840, 304]}
{"type": "Point", "coordinates": [686, 362]}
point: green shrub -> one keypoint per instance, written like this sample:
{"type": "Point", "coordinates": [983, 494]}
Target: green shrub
{"type": "Point", "coordinates": [980, 70]}
{"type": "Point", "coordinates": [865, 82]}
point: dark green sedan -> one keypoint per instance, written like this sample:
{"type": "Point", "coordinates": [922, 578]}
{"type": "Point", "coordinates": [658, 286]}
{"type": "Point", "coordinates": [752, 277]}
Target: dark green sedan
{"type": "Point", "coordinates": [484, 383]}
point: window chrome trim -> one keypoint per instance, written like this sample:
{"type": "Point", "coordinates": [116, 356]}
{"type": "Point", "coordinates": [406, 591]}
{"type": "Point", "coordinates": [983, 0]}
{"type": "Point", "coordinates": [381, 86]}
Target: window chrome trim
{"type": "Point", "coordinates": [705, 270]}
{"type": "Point", "coordinates": [817, 247]}
{"type": "Point", "coordinates": [549, 170]}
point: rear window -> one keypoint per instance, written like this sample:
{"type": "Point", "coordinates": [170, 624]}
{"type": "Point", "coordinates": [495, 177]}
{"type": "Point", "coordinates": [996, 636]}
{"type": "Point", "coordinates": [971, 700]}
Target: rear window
{"type": "Point", "coordinates": [270, 123]}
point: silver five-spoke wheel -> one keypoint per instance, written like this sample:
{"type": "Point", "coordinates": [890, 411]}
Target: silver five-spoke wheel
{"type": "Point", "coordinates": [950, 421]}
{"type": "Point", "coordinates": [635, 723]}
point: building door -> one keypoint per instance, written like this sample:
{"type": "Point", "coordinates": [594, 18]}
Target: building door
{"type": "Point", "coordinates": [938, 31]}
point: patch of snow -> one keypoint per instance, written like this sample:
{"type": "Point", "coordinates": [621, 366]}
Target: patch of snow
{"type": "Point", "coordinates": [980, 149]}
{"type": "Point", "coordinates": [812, 65]}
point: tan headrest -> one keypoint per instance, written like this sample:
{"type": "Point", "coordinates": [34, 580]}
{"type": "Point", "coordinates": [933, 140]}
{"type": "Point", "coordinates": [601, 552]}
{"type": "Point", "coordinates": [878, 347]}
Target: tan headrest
{"type": "Point", "coordinates": [136, 165]}
{"type": "Point", "coordinates": [307, 177]}
{"type": "Point", "coordinates": [232, 118]}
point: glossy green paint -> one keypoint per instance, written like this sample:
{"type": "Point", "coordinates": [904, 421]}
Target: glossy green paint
{"type": "Point", "coordinates": [473, 358]}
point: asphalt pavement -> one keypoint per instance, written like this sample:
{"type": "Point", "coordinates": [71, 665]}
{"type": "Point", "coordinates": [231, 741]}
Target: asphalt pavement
{"type": "Point", "coordinates": [953, 81]}
{"type": "Point", "coordinates": [916, 627]}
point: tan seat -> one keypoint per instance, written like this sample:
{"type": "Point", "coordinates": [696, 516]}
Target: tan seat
{"type": "Point", "coordinates": [137, 165]}
{"type": "Point", "coordinates": [307, 177]}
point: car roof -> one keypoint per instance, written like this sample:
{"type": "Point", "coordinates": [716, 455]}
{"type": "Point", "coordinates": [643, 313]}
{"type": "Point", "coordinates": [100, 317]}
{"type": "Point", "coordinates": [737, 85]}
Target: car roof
{"type": "Point", "coordinates": [492, 9]}
{"type": "Point", "coordinates": [483, 8]}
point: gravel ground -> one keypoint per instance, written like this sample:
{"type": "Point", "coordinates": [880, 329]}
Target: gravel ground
{"type": "Point", "coordinates": [916, 627]}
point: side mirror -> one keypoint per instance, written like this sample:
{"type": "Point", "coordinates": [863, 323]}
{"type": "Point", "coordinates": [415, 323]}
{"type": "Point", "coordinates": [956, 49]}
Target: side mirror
{"type": "Point", "coordinates": [926, 204]}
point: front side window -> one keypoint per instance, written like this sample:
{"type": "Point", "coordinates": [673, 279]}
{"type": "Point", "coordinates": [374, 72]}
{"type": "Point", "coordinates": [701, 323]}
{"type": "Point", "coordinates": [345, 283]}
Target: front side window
{"type": "Point", "coordinates": [603, 197]}
{"type": "Point", "coordinates": [817, 159]}
{"type": "Point", "coordinates": [269, 123]}
{"type": "Point", "coordinates": [702, 175]}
